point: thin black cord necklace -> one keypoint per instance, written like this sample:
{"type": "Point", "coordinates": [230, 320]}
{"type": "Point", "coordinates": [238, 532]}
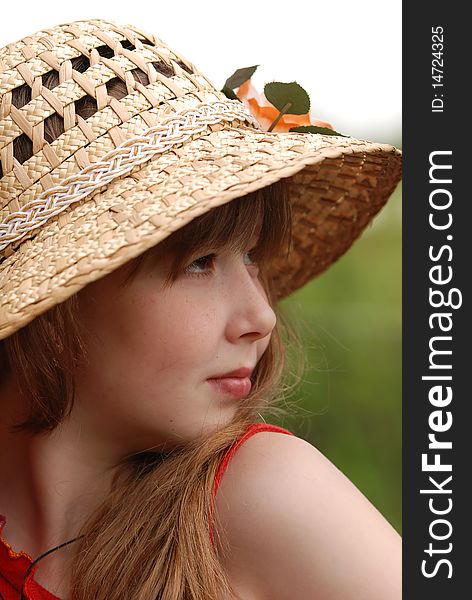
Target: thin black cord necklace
{"type": "Point", "coordinates": [30, 568]}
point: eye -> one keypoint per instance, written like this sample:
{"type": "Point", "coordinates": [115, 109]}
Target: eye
{"type": "Point", "coordinates": [203, 266]}
{"type": "Point", "coordinates": [200, 263]}
{"type": "Point", "coordinates": [250, 253]}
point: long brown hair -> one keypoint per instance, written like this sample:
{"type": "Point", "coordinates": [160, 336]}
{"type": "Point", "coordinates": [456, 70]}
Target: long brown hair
{"type": "Point", "coordinates": [150, 537]}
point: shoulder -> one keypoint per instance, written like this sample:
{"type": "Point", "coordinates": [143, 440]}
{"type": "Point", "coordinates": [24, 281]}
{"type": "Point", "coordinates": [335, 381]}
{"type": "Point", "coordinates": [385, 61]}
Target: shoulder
{"type": "Point", "coordinates": [292, 525]}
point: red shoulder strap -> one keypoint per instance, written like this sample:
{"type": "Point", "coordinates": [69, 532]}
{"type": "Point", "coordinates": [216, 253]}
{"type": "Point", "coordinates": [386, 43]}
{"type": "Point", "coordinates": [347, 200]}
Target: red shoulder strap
{"type": "Point", "coordinates": [13, 566]}
{"type": "Point", "coordinates": [251, 430]}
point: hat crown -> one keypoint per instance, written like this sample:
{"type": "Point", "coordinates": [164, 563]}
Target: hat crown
{"type": "Point", "coordinates": [121, 47]}
{"type": "Point", "coordinates": [71, 94]}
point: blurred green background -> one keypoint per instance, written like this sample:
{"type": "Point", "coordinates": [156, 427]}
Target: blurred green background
{"type": "Point", "coordinates": [349, 404]}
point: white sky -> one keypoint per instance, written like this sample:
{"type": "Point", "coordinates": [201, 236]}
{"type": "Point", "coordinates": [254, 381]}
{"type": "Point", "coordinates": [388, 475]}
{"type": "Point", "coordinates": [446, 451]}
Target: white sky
{"type": "Point", "coordinates": [346, 53]}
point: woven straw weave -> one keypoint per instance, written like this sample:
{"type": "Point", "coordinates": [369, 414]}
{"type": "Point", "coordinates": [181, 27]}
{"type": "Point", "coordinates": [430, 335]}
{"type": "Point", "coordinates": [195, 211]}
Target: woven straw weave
{"type": "Point", "coordinates": [144, 164]}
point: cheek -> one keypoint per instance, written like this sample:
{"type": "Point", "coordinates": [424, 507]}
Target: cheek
{"type": "Point", "coordinates": [171, 332]}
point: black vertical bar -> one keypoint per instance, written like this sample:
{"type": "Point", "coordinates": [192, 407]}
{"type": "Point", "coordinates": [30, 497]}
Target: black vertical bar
{"type": "Point", "coordinates": [437, 231]}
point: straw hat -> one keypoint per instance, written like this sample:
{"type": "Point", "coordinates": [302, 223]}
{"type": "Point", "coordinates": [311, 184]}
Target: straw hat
{"type": "Point", "coordinates": [114, 184]}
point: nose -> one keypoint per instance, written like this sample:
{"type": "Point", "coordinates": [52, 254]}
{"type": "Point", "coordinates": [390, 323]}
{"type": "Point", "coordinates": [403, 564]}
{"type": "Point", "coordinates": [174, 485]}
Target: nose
{"type": "Point", "coordinates": [251, 315]}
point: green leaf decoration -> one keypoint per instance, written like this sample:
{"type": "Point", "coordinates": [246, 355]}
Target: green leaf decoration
{"type": "Point", "coordinates": [314, 129]}
{"type": "Point", "coordinates": [229, 93]}
{"type": "Point", "coordinates": [239, 77]}
{"type": "Point", "coordinates": [289, 98]}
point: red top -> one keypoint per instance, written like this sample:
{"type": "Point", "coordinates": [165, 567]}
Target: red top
{"type": "Point", "coordinates": [13, 565]}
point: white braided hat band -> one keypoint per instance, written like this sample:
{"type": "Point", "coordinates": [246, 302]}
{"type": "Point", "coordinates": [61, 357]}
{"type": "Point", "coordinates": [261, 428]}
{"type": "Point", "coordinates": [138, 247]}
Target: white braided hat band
{"type": "Point", "coordinates": [173, 130]}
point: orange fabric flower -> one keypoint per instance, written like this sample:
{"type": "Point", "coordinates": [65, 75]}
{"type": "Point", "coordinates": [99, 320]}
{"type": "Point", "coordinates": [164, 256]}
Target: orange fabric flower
{"type": "Point", "coordinates": [266, 113]}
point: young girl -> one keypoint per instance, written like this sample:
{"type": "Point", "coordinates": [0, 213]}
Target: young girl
{"type": "Point", "coordinates": [148, 228]}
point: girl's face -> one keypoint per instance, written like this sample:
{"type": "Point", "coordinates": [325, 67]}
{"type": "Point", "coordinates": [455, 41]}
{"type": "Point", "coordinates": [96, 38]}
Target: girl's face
{"type": "Point", "coordinates": [152, 349]}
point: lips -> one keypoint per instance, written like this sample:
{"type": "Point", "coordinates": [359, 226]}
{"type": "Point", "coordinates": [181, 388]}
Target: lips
{"type": "Point", "coordinates": [241, 372]}
{"type": "Point", "coordinates": [234, 383]}
{"type": "Point", "coordinates": [238, 387]}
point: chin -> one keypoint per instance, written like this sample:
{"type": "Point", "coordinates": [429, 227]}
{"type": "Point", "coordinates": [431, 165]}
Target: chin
{"type": "Point", "coordinates": [203, 431]}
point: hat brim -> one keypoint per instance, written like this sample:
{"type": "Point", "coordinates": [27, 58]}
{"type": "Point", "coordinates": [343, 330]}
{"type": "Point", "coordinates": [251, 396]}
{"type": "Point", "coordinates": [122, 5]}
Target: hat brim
{"type": "Point", "coordinates": [336, 185]}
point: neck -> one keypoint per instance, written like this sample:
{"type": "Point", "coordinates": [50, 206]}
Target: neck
{"type": "Point", "coordinates": [50, 483]}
